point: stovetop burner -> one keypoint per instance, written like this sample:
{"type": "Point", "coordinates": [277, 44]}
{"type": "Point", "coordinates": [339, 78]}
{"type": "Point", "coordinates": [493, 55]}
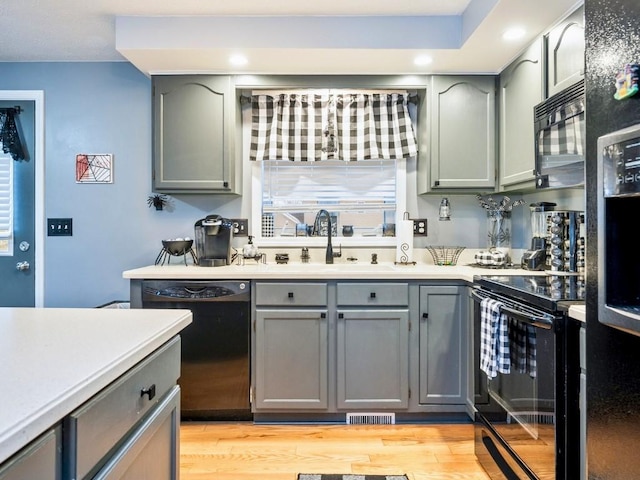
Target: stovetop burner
{"type": "Point", "coordinates": [546, 291]}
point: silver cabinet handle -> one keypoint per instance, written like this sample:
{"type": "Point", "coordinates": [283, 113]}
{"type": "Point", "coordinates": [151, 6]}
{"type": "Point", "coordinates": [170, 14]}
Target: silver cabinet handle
{"type": "Point", "coordinates": [22, 266]}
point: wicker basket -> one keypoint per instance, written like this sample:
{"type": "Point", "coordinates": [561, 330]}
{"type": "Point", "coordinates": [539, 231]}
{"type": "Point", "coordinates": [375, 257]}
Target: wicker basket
{"type": "Point", "coordinates": [445, 255]}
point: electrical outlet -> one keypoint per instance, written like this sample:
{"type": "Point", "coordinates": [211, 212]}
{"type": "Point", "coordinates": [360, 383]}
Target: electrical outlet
{"type": "Point", "coordinates": [420, 227]}
{"type": "Point", "coordinates": [59, 227]}
{"type": "Point", "coordinates": [240, 227]}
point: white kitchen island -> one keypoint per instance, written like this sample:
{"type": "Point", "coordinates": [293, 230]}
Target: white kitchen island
{"type": "Point", "coordinates": [53, 361]}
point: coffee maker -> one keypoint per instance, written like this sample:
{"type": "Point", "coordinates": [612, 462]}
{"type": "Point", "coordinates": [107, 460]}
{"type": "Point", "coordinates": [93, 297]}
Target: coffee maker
{"type": "Point", "coordinates": [536, 257]}
{"type": "Point", "coordinates": [213, 236]}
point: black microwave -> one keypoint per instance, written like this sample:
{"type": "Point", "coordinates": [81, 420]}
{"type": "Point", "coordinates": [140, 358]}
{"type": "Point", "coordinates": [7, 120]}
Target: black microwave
{"type": "Point", "coordinates": [559, 132]}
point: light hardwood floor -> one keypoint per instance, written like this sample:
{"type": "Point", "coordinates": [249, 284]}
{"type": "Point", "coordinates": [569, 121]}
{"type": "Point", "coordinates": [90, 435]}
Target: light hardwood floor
{"type": "Point", "coordinates": [243, 451]}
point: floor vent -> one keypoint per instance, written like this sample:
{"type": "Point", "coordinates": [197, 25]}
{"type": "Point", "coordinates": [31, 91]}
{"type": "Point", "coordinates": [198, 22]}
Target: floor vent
{"type": "Point", "coordinates": [371, 418]}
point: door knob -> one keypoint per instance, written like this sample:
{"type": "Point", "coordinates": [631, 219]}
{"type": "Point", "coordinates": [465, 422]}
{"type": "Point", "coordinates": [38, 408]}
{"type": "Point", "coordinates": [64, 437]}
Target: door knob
{"type": "Point", "coordinates": [22, 266]}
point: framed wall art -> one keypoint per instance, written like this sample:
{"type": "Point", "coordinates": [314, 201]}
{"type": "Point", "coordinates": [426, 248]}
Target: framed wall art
{"type": "Point", "coordinates": [94, 168]}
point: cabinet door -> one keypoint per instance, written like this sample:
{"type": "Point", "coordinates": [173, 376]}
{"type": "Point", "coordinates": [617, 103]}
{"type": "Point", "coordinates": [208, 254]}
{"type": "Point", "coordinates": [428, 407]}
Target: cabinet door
{"type": "Point", "coordinates": [193, 130]}
{"type": "Point", "coordinates": [463, 132]}
{"type": "Point", "coordinates": [520, 92]}
{"type": "Point", "coordinates": [372, 359]}
{"type": "Point", "coordinates": [151, 451]}
{"type": "Point", "coordinates": [442, 339]}
{"type": "Point", "coordinates": [41, 460]}
{"type": "Point", "coordinates": [565, 53]}
{"type": "Point", "coordinates": [291, 359]}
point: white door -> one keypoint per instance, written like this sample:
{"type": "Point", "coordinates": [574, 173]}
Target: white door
{"type": "Point", "coordinates": [21, 255]}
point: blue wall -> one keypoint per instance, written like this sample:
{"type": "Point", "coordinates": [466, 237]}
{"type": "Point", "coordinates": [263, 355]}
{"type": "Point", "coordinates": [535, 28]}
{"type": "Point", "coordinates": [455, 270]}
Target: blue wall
{"type": "Point", "coordinates": [101, 108]}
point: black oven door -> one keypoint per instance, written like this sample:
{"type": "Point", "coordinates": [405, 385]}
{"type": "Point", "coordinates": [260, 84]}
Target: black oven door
{"type": "Point", "coordinates": [517, 431]}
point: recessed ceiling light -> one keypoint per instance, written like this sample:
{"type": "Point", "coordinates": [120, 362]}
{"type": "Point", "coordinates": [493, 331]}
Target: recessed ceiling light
{"type": "Point", "coordinates": [514, 33]}
{"type": "Point", "coordinates": [422, 60]}
{"type": "Point", "coordinates": [238, 60]}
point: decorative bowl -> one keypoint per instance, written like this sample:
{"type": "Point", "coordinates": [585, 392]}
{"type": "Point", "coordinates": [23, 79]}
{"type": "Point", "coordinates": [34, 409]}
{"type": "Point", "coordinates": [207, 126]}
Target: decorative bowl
{"type": "Point", "coordinates": [445, 255]}
{"type": "Point", "coordinates": [177, 247]}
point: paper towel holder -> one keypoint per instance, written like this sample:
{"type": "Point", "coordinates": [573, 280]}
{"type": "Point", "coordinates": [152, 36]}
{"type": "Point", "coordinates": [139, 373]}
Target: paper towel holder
{"type": "Point", "coordinates": [403, 252]}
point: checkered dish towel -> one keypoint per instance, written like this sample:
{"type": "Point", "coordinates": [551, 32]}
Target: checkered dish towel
{"type": "Point", "coordinates": [522, 338]}
{"type": "Point", "coordinates": [494, 338]}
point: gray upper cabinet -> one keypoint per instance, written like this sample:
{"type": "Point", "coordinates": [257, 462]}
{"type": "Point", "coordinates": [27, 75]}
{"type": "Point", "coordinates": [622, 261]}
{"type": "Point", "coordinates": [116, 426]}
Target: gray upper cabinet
{"type": "Point", "coordinates": [520, 91]}
{"type": "Point", "coordinates": [565, 53]}
{"type": "Point", "coordinates": [443, 345]}
{"type": "Point", "coordinates": [463, 131]}
{"type": "Point", "coordinates": [194, 134]}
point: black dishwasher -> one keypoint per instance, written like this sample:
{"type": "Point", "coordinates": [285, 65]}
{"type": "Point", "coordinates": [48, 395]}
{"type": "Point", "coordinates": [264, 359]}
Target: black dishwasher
{"type": "Point", "coordinates": [215, 378]}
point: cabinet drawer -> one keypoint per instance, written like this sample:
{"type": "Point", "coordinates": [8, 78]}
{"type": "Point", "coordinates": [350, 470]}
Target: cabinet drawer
{"type": "Point", "coordinates": [39, 460]}
{"type": "Point", "coordinates": [373, 294]}
{"type": "Point", "coordinates": [99, 425]}
{"type": "Point", "coordinates": [291, 294]}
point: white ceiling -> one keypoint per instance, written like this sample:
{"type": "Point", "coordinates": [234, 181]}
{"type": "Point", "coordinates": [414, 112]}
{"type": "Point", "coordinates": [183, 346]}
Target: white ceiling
{"type": "Point", "coordinates": [277, 36]}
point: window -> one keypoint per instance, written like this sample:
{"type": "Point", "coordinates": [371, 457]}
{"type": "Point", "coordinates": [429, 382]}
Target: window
{"type": "Point", "coordinates": [344, 153]}
{"type": "Point", "coordinates": [366, 196]}
{"type": "Point", "coordinates": [6, 204]}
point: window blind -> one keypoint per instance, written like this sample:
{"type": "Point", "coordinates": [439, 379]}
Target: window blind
{"type": "Point", "coordinates": [334, 184]}
{"type": "Point", "coordinates": [6, 196]}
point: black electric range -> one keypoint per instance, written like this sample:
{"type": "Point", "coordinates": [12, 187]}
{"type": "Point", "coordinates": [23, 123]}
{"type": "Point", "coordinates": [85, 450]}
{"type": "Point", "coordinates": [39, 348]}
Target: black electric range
{"type": "Point", "coordinates": [550, 292]}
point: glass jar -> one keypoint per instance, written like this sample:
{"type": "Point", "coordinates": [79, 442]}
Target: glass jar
{"type": "Point", "coordinates": [499, 231]}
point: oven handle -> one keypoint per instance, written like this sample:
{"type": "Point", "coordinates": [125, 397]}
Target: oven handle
{"type": "Point", "coordinates": [521, 312]}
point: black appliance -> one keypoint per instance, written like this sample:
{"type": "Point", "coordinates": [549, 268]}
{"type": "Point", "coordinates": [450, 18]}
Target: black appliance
{"type": "Point", "coordinates": [215, 367]}
{"type": "Point", "coordinates": [618, 200]}
{"type": "Point", "coordinates": [613, 369]}
{"type": "Point", "coordinates": [213, 235]}
{"type": "Point", "coordinates": [559, 129]}
{"type": "Point", "coordinates": [527, 421]}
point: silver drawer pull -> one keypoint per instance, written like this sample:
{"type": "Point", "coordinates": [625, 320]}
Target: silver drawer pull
{"type": "Point", "coordinates": [151, 391]}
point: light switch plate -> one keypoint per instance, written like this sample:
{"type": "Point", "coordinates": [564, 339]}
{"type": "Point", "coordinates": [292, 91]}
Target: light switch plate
{"type": "Point", "coordinates": [59, 227]}
{"type": "Point", "coordinates": [420, 227]}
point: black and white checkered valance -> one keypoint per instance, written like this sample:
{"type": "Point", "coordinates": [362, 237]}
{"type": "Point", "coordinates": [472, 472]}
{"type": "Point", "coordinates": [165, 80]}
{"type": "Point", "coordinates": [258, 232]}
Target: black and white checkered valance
{"type": "Point", "coordinates": [564, 137]}
{"type": "Point", "coordinates": [311, 127]}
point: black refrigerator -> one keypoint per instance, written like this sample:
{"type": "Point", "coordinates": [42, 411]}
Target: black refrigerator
{"type": "Point", "coordinates": [612, 39]}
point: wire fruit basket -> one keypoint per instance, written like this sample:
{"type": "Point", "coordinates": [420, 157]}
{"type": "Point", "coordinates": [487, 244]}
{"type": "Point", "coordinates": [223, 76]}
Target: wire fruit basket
{"type": "Point", "coordinates": [445, 255]}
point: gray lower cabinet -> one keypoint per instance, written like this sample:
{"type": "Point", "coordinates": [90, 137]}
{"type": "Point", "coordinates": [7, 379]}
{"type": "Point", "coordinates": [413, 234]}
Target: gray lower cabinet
{"type": "Point", "coordinates": [195, 124]}
{"type": "Point", "coordinates": [443, 345]}
{"type": "Point", "coordinates": [372, 359]}
{"type": "Point", "coordinates": [463, 131]}
{"type": "Point", "coordinates": [520, 91]}
{"type": "Point", "coordinates": [130, 430]}
{"type": "Point", "coordinates": [291, 362]}
{"type": "Point", "coordinates": [331, 347]}
{"type": "Point", "coordinates": [372, 345]}
{"type": "Point", "coordinates": [40, 460]}
{"type": "Point", "coordinates": [291, 346]}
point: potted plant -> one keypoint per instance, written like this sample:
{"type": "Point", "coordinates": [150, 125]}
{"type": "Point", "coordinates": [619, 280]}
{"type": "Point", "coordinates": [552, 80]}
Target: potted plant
{"type": "Point", "coordinates": [159, 201]}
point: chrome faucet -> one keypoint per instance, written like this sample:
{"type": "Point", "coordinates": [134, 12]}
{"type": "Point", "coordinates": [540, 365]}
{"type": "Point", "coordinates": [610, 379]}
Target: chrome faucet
{"type": "Point", "coordinates": [316, 231]}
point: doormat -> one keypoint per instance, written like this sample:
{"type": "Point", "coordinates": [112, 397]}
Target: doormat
{"type": "Point", "coordinates": [348, 476]}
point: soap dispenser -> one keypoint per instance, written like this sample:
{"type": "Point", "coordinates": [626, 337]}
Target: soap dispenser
{"type": "Point", "coordinates": [249, 250]}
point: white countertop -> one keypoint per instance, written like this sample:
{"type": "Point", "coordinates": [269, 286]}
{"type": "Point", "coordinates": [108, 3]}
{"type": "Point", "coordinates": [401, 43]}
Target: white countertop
{"type": "Point", "coordinates": [52, 360]}
{"type": "Point", "coordinates": [579, 312]}
{"type": "Point", "coordinates": [258, 271]}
